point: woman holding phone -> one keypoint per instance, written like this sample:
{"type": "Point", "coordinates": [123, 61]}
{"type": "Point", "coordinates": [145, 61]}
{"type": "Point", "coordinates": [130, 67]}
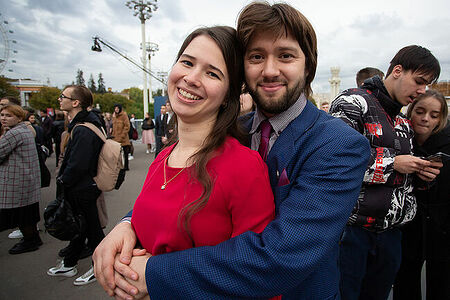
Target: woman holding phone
{"type": "Point", "coordinates": [427, 237]}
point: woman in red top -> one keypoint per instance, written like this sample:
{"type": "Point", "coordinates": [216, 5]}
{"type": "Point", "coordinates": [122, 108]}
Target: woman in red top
{"type": "Point", "coordinates": [207, 187]}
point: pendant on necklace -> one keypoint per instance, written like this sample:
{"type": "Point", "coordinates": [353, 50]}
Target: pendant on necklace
{"type": "Point", "coordinates": [163, 187]}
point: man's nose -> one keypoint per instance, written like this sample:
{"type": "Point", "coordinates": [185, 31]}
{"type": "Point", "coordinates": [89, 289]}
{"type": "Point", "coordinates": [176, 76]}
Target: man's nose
{"type": "Point", "coordinates": [271, 68]}
{"type": "Point", "coordinates": [422, 89]}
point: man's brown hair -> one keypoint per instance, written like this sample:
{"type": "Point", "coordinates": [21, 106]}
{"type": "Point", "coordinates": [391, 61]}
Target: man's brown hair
{"type": "Point", "coordinates": [280, 19]}
{"type": "Point", "coordinates": [82, 94]}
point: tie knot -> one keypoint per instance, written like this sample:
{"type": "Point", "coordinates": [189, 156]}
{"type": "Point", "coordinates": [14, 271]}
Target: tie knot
{"type": "Point", "coordinates": [266, 128]}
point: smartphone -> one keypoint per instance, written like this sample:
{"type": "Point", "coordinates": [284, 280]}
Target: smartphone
{"type": "Point", "coordinates": [440, 156]}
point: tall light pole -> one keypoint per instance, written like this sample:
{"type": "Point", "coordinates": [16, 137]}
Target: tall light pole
{"type": "Point", "coordinates": [151, 49]}
{"type": "Point", "coordinates": [143, 9]}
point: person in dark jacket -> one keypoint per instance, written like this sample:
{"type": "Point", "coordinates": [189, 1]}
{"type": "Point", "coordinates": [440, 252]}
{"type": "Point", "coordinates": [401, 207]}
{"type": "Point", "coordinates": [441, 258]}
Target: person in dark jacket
{"type": "Point", "coordinates": [427, 237]}
{"type": "Point", "coordinates": [160, 124]}
{"type": "Point", "coordinates": [58, 129]}
{"type": "Point", "coordinates": [370, 247]}
{"type": "Point", "coordinates": [75, 177]}
{"type": "Point", "coordinates": [148, 136]}
{"type": "Point", "coordinates": [47, 125]}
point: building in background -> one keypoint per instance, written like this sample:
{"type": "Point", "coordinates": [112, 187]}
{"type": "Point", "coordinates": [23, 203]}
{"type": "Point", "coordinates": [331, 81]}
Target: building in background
{"type": "Point", "coordinates": [26, 87]}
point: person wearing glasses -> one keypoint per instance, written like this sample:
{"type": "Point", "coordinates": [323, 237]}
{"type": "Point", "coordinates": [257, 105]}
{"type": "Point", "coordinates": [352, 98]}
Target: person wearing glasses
{"type": "Point", "coordinates": [75, 178]}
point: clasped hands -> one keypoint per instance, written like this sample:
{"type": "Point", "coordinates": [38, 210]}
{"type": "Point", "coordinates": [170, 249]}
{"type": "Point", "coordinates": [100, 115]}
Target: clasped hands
{"type": "Point", "coordinates": [118, 267]}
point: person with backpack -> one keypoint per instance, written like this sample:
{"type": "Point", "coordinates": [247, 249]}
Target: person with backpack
{"type": "Point", "coordinates": [76, 177]}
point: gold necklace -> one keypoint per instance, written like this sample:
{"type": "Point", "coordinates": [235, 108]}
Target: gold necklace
{"type": "Point", "coordinates": [166, 182]}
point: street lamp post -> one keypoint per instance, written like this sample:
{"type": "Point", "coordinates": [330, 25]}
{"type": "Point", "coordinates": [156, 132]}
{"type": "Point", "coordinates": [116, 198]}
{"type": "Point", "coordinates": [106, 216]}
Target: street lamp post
{"type": "Point", "coordinates": [151, 49]}
{"type": "Point", "coordinates": [143, 9]}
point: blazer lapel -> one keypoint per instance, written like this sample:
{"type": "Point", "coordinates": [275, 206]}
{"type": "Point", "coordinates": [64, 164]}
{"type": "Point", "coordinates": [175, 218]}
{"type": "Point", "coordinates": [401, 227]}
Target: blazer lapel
{"type": "Point", "coordinates": [287, 144]}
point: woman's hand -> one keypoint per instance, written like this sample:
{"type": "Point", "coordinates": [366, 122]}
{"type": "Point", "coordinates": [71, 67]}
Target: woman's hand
{"type": "Point", "coordinates": [126, 286]}
{"type": "Point", "coordinates": [430, 173]}
{"type": "Point", "coordinates": [119, 242]}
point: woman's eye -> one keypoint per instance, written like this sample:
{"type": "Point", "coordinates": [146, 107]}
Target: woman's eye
{"type": "Point", "coordinates": [187, 63]}
{"type": "Point", "coordinates": [212, 74]}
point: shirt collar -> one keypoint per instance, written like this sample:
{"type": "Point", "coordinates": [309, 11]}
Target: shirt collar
{"type": "Point", "coordinates": [281, 121]}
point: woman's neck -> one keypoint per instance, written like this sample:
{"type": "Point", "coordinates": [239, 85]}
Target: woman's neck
{"type": "Point", "coordinates": [191, 137]}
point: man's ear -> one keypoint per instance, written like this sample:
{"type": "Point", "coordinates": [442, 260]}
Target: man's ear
{"type": "Point", "coordinates": [76, 103]}
{"type": "Point", "coordinates": [397, 71]}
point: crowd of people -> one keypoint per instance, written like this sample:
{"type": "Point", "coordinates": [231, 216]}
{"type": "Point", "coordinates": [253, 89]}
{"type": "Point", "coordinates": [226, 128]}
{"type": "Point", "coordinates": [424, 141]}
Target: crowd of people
{"type": "Point", "coordinates": [254, 192]}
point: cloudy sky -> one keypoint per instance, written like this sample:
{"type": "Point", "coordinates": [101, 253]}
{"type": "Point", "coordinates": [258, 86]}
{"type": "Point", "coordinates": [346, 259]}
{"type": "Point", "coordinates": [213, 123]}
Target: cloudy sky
{"type": "Point", "coordinates": [54, 37]}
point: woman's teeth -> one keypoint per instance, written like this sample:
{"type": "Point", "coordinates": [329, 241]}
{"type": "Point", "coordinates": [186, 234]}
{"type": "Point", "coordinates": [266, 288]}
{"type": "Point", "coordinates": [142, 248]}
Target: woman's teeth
{"type": "Point", "coordinates": [188, 95]}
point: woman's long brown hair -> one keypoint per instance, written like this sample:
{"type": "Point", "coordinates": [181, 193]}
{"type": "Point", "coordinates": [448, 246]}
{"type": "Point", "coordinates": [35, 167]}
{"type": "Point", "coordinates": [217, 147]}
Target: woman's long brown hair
{"type": "Point", "coordinates": [226, 123]}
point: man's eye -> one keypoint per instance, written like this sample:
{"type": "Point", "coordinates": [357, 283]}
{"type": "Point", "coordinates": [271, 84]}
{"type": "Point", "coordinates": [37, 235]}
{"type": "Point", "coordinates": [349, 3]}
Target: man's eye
{"type": "Point", "coordinates": [255, 57]}
{"type": "Point", "coordinates": [286, 56]}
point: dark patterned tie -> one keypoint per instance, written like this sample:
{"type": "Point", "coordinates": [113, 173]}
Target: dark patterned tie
{"type": "Point", "coordinates": [266, 129]}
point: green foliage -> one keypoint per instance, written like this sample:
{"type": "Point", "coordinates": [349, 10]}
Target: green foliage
{"type": "Point", "coordinates": [157, 93]}
{"type": "Point", "coordinates": [91, 84]}
{"type": "Point", "coordinates": [101, 84]}
{"type": "Point", "coordinates": [136, 94]}
{"type": "Point", "coordinates": [107, 101]}
{"type": "Point", "coordinates": [47, 97]}
{"type": "Point", "coordinates": [6, 89]}
{"type": "Point", "coordinates": [79, 78]}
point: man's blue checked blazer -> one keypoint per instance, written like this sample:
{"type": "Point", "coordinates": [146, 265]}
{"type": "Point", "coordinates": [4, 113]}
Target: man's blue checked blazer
{"type": "Point", "coordinates": [316, 167]}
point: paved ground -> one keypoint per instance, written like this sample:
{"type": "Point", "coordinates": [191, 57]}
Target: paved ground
{"type": "Point", "coordinates": [24, 276]}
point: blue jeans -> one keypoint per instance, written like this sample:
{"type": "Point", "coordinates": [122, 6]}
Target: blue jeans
{"type": "Point", "coordinates": [368, 262]}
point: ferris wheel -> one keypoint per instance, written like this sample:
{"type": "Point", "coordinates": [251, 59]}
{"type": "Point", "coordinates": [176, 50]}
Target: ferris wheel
{"type": "Point", "coordinates": [5, 49]}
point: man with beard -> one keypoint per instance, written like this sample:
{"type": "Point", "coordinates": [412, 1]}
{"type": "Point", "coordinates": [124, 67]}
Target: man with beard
{"type": "Point", "coordinates": [316, 164]}
{"type": "Point", "coordinates": [370, 248]}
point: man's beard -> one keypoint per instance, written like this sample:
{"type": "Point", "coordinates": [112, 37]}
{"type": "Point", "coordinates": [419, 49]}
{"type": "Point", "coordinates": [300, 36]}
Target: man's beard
{"type": "Point", "coordinates": [281, 104]}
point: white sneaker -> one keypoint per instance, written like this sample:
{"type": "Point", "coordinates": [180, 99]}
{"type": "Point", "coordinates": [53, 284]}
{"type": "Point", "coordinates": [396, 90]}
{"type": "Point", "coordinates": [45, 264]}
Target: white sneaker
{"type": "Point", "coordinates": [16, 234]}
{"type": "Point", "coordinates": [61, 270]}
{"type": "Point", "coordinates": [130, 157]}
{"type": "Point", "coordinates": [86, 278]}
{"type": "Point", "coordinates": [146, 151]}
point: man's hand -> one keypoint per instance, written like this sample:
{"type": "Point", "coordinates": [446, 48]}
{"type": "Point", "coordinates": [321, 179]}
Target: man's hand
{"type": "Point", "coordinates": [121, 239]}
{"type": "Point", "coordinates": [407, 164]}
{"type": "Point", "coordinates": [126, 287]}
{"type": "Point", "coordinates": [430, 173]}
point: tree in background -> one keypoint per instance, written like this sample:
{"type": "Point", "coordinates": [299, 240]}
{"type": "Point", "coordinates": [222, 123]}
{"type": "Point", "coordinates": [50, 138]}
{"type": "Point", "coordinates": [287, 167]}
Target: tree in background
{"type": "Point", "coordinates": [47, 97]}
{"type": "Point", "coordinates": [107, 101]}
{"type": "Point", "coordinates": [157, 93]}
{"type": "Point", "coordinates": [79, 78]}
{"type": "Point", "coordinates": [6, 89]}
{"type": "Point", "coordinates": [101, 84]}
{"type": "Point", "coordinates": [91, 84]}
